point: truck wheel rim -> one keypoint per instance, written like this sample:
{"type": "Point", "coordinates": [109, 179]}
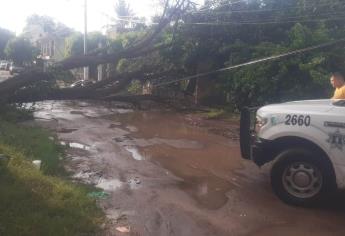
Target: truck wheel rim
{"type": "Point", "coordinates": [302, 180]}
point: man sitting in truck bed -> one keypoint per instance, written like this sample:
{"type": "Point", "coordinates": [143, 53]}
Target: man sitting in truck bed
{"type": "Point", "coordinates": [338, 82]}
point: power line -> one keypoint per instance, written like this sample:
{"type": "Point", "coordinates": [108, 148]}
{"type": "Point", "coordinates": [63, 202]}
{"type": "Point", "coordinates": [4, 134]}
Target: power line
{"type": "Point", "coordinates": [131, 21]}
{"type": "Point", "coordinates": [337, 15]}
{"type": "Point", "coordinates": [271, 58]}
{"type": "Point", "coordinates": [300, 17]}
{"type": "Point", "coordinates": [266, 10]}
{"type": "Point", "coordinates": [263, 22]}
{"type": "Point", "coordinates": [226, 4]}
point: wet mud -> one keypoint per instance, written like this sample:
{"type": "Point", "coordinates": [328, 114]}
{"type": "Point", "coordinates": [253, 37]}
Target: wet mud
{"type": "Point", "coordinates": [174, 174]}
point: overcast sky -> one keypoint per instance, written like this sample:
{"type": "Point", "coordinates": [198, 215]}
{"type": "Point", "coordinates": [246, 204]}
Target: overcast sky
{"type": "Point", "coordinates": [70, 12]}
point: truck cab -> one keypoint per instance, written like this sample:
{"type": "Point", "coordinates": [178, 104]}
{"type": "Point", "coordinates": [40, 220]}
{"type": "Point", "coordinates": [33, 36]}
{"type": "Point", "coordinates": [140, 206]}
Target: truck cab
{"type": "Point", "coordinates": [305, 142]}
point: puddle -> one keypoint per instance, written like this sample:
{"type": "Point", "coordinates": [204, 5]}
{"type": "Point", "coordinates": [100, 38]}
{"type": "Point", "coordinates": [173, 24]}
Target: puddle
{"type": "Point", "coordinates": [79, 146]}
{"type": "Point", "coordinates": [115, 184]}
{"type": "Point", "coordinates": [197, 168]}
{"type": "Point", "coordinates": [132, 128]}
{"type": "Point", "coordinates": [127, 140]}
{"type": "Point", "coordinates": [209, 191]}
{"type": "Point", "coordinates": [83, 104]}
{"type": "Point", "coordinates": [135, 153]}
{"type": "Point", "coordinates": [123, 111]}
{"type": "Point", "coordinates": [77, 112]}
{"type": "Point", "coordinates": [76, 145]}
{"type": "Point", "coordinates": [175, 143]}
{"type": "Point", "coordinates": [114, 125]}
{"type": "Point", "coordinates": [109, 185]}
{"type": "Point", "coordinates": [203, 161]}
{"type": "Point", "coordinates": [71, 110]}
{"type": "Point", "coordinates": [66, 131]}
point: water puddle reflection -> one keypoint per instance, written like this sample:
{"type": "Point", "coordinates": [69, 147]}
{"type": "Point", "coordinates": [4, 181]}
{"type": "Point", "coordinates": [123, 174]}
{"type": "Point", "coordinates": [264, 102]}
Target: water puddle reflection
{"type": "Point", "coordinates": [208, 191]}
{"type": "Point", "coordinates": [135, 153]}
{"type": "Point", "coordinates": [76, 145]}
{"type": "Point", "coordinates": [109, 185]}
{"type": "Point", "coordinates": [66, 131]}
{"type": "Point", "coordinates": [203, 161]}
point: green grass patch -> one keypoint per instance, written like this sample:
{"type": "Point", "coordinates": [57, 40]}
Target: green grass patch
{"type": "Point", "coordinates": [39, 202]}
{"type": "Point", "coordinates": [35, 204]}
{"type": "Point", "coordinates": [34, 143]}
{"type": "Point", "coordinates": [15, 113]}
{"type": "Point", "coordinates": [219, 113]}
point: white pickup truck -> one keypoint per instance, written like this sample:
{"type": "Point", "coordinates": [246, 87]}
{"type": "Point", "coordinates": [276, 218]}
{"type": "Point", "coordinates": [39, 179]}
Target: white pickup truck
{"type": "Point", "coordinates": [305, 140]}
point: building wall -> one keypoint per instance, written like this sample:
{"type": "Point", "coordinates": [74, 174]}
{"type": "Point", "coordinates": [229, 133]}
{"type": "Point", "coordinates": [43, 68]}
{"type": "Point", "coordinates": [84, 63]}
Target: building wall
{"type": "Point", "coordinates": [53, 48]}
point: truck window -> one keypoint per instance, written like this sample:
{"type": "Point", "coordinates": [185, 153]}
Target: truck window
{"type": "Point", "coordinates": [340, 103]}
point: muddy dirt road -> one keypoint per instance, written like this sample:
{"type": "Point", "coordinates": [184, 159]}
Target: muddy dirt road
{"type": "Point", "coordinates": [165, 176]}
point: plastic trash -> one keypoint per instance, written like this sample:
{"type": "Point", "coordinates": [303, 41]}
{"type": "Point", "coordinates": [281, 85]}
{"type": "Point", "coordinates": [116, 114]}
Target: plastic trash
{"type": "Point", "coordinates": [37, 164]}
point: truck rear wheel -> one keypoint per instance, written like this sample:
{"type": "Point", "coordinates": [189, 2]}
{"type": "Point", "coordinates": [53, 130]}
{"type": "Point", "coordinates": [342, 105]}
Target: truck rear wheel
{"type": "Point", "coordinates": [301, 177]}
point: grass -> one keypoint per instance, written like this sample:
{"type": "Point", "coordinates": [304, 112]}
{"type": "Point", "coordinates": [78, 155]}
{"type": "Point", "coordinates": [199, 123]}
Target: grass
{"type": "Point", "coordinates": [34, 202]}
{"type": "Point", "coordinates": [14, 114]}
{"type": "Point", "coordinates": [34, 143]}
{"type": "Point", "coordinates": [220, 113]}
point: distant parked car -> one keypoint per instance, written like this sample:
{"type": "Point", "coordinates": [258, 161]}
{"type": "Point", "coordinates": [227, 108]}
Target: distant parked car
{"type": "Point", "coordinates": [81, 83]}
{"type": "Point", "coordinates": [15, 69]}
{"type": "Point", "coordinates": [4, 65]}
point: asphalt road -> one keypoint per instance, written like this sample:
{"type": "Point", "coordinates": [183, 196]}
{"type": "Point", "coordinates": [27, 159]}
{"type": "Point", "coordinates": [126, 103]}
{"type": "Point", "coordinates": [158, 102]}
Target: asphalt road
{"type": "Point", "coordinates": [4, 75]}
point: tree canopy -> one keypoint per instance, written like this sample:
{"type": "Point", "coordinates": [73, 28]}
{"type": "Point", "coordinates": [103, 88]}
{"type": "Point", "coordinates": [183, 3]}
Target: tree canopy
{"type": "Point", "coordinates": [74, 44]}
{"type": "Point", "coordinates": [20, 50]}
{"type": "Point", "coordinates": [189, 40]}
{"type": "Point", "coordinates": [5, 36]}
{"type": "Point", "coordinates": [223, 33]}
{"type": "Point", "coordinates": [46, 22]}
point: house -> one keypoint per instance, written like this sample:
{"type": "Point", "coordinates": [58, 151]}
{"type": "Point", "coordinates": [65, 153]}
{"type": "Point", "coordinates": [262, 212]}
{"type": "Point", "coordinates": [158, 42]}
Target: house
{"type": "Point", "coordinates": [51, 43]}
{"type": "Point", "coordinates": [111, 31]}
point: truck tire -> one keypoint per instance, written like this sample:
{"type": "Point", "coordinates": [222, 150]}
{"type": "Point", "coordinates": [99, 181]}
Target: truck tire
{"type": "Point", "coordinates": [301, 177]}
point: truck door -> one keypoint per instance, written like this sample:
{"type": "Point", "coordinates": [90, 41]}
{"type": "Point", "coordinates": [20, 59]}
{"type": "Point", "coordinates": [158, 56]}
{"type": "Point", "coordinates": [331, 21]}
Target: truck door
{"type": "Point", "coordinates": [335, 126]}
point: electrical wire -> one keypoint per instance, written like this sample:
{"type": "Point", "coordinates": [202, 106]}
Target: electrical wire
{"type": "Point", "coordinates": [131, 21]}
{"type": "Point", "coordinates": [295, 19]}
{"type": "Point", "coordinates": [226, 4]}
{"type": "Point", "coordinates": [266, 10]}
{"type": "Point", "coordinates": [300, 17]}
{"type": "Point", "coordinates": [219, 23]}
{"type": "Point", "coordinates": [271, 58]}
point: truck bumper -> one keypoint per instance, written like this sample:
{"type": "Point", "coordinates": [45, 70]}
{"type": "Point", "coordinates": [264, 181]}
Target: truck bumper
{"type": "Point", "coordinates": [260, 151]}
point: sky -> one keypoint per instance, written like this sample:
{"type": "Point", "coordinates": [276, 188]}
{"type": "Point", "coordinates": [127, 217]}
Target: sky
{"type": "Point", "coordinates": [69, 12]}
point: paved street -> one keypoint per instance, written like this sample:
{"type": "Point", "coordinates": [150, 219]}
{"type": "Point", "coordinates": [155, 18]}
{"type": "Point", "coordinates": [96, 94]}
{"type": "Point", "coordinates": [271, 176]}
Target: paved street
{"type": "Point", "coordinates": [4, 75]}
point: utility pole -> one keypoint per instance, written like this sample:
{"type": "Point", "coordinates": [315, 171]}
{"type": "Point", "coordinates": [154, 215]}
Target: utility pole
{"type": "Point", "coordinates": [100, 67]}
{"type": "Point", "coordinates": [86, 69]}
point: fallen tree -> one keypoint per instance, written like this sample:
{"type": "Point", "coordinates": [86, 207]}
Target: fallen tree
{"type": "Point", "coordinates": [36, 85]}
